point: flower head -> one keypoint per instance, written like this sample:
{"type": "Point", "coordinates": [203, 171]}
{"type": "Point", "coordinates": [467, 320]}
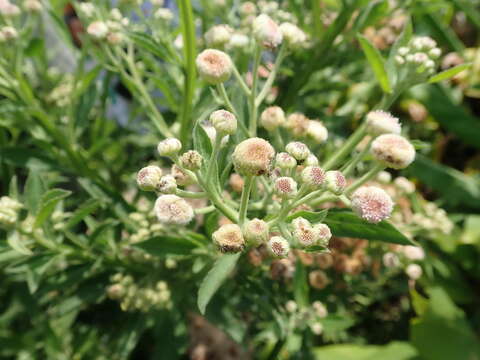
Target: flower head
{"type": "Point", "coordinates": [393, 150]}
{"type": "Point", "coordinates": [285, 161]}
{"type": "Point", "coordinates": [381, 122]}
{"type": "Point", "coordinates": [372, 204]}
{"type": "Point", "coordinates": [167, 185]}
{"type": "Point", "coordinates": [214, 66]}
{"type": "Point", "coordinates": [253, 157]}
{"type": "Point", "coordinates": [224, 122]}
{"type": "Point", "coordinates": [229, 238]}
{"type": "Point", "coordinates": [313, 176]}
{"type": "Point", "coordinates": [191, 160]}
{"type": "Point", "coordinates": [218, 35]}
{"type": "Point", "coordinates": [171, 209]}
{"type": "Point", "coordinates": [293, 35]}
{"type": "Point", "coordinates": [97, 29]}
{"type": "Point", "coordinates": [303, 232]}
{"type": "Point", "coordinates": [278, 246]}
{"type": "Point", "coordinates": [256, 231]}
{"type": "Point", "coordinates": [272, 117]}
{"type": "Point", "coordinates": [298, 150]}
{"type": "Point", "coordinates": [148, 177]}
{"type": "Point", "coordinates": [266, 31]}
{"type": "Point", "coordinates": [169, 147]}
{"type": "Point", "coordinates": [414, 271]}
{"type": "Point", "coordinates": [285, 187]}
{"type": "Point", "coordinates": [32, 5]}
{"type": "Point", "coordinates": [324, 234]}
{"type": "Point", "coordinates": [317, 131]}
{"type": "Point", "coordinates": [413, 252]}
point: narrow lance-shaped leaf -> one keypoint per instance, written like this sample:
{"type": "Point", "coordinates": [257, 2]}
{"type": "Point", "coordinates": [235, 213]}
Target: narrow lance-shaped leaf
{"type": "Point", "coordinates": [447, 74]}
{"type": "Point", "coordinates": [168, 245]}
{"type": "Point", "coordinates": [377, 62]}
{"type": "Point", "coordinates": [49, 200]}
{"type": "Point", "coordinates": [214, 279]}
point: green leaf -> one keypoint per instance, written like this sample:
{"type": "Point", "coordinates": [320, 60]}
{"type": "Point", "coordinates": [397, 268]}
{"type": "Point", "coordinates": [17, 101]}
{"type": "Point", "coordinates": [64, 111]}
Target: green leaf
{"type": "Point", "coordinates": [167, 245]}
{"type": "Point", "coordinates": [16, 243]}
{"type": "Point", "coordinates": [377, 62]}
{"type": "Point", "coordinates": [214, 279]}
{"type": "Point", "coordinates": [447, 74]}
{"type": "Point", "coordinates": [401, 41]}
{"type": "Point", "coordinates": [201, 141]}
{"type": "Point", "coordinates": [372, 13]}
{"type": "Point", "coordinates": [313, 217]}
{"type": "Point", "coordinates": [393, 351]}
{"type": "Point", "coordinates": [146, 42]}
{"type": "Point", "coordinates": [85, 209]}
{"type": "Point", "coordinates": [300, 285]}
{"type": "Point", "coordinates": [34, 189]}
{"type": "Point", "coordinates": [49, 200]}
{"type": "Point", "coordinates": [346, 223]}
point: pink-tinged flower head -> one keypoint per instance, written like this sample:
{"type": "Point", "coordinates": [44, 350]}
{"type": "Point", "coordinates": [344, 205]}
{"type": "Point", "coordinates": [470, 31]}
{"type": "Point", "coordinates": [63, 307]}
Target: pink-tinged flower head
{"type": "Point", "coordinates": [97, 29]}
{"type": "Point", "coordinates": [278, 246]}
{"type": "Point", "coordinates": [272, 117]}
{"type": "Point", "coordinates": [253, 157]}
{"type": "Point", "coordinates": [214, 66]}
{"type": "Point", "coordinates": [256, 231]}
{"type": "Point", "coordinates": [414, 271]}
{"type": "Point", "coordinates": [285, 161]}
{"type": "Point", "coordinates": [298, 150]}
{"type": "Point", "coordinates": [285, 187]}
{"type": "Point", "coordinates": [148, 177]}
{"type": "Point", "coordinates": [393, 150]}
{"type": "Point", "coordinates": [267, 32]}
{"type": "Point", "coordinates": [218, 35]}
{"type": "Point", "coordinates": [229, 238]}
{"type": "Point", "coordinates": [324, 234]}
{"type": "Point", "coordinates": [372, 204]}
{"type": "Point", "coordinates": [171, 209]}
{"type": "Point", "coordinates": [335, 182]}
{"type": "Point", "coordinates": [381, 122]}
{"type": "Point", "coordinates": [303, 232]}
{"type": "Point", "coordinates": [313, 176]}
{"type": "Point", "coordinates": [224, 122]}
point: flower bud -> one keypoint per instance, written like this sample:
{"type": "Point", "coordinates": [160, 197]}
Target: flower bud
{"type": "Point", "coordinates": [335, 182]}
{"type": "Point", "coordinates": [317, 131]}
{"type": "Point", "coordinates": [318, 279]}
{"type": "Point", "coordinates": [324, 234]}
{"type": "Point", "coordinates": [317, 328]}
{"type": "Point", "coordinates": [285, 161]}
{"type": "Point", "coordinates": [413, 252]}
{"type": "Point", "coordinates": [298, 150]}
{"type": "Point", "coordinates": [164, 14]}
{"type": "Point", "coordinates": [414, 271]}
{"type": "Point", "coordinates": [381, 122]}
{"type": "Point", "coordinates": [32, 5]}
{"type": "Point", "coordinates": [239, 41]}
{"type": "Point", "coordinates": [8, 33]}
{"type": "Point", "coordinates": [253, 157]}
{"type": "Point", "coordinates": [218, 35]}
{"type": "Point", "coordinates": [169, 147]}
{"type": "Point", "coordinates": [148, 177]}
{"type": "Point", "coordinates": [8, 9]}
{"type": "Point", "coordinates": [278, 246]}
{"type": "Point", "coordinates": [291, 306]}
{"type": "Point", "coordinates": [435, 53]}
{"type": "Point", "coordinates": [272, 117]}
{"type": "Point", "coordinates": [372, 204]}
{"type": "Point", "coordinates": [384, 177]}
{"type": "Point", "coordinates": [293, 35]}
{"type": "Point", "coordinates": [393, 150]}
{"type": "Point", "coordinates": [285, 187]}
{"type": "Point", "coordinates": [248, 8]}
{"type": "Point", "coordinates": [404, 185]}
{"type": "Point", "coordinates": [229, 238]}
{"type": "Point", "coordinates": [181, 177]}
{"type": "Point", "coordinates": [191, 160]}
{"type": "Point", "coordinates": [171, 209]}
{"type": "Point", "coordinates": [224, 122]}
{"type": "Point", "coordinates": [214, 66]}
{"type": "Point", "coordinates": [390, 260]}
{"type": "Point", "coordinates": [298, 124]}
{"type": "Point", "coordinates": [313, 176]}
{"type": "Point", "coordinates": [97, 29]}
{"type": "Point", "coordinates": [320, 309]}
{"type": "Point", "coordinates": [311, 160]}
{"type": "Point", "coordinates": [115, 38]}
{"type": "Point", "coordinates": [266, 31]}
{"type": "Point", "coordinates": [256, 231]}
{"type": "Point", "coordinates": [303, 232]}
{"type": "Point", "coordinates": [167, 185]}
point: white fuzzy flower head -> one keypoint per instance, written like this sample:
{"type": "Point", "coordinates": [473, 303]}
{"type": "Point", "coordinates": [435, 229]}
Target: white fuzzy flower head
{"type": "Point", "coordinates": [214, 66]}
{"type": "Point", "coordinates": [381, 122]}
{"type": "Point", "coordinates": [253, 157]}
{"type": "Point", "coordinates": [238, 41]}
{"type": "Point", "coordinates": [272, 117]}
{"type": "Point", "coordinates": [248, 8]}
{"type": "Point", "coordinates": [313, 177]}
{"type": "Point", "coordinates": [9, 208]}
{"type": "Point", "coordinates": [317, 328]}
{"type": "Point", "coordinates": [324, 234]}
{"type": "Point", "coordinates": [115, 38]}
{"type": "Point", "coordinates": [285, 161]}
{"type": "Point", "coordinates": [32, 5]}
{"type": "Point", "coordinates": [97, 29]}
{"type": "Point", "coordinates": [293, 35]}
{"type": "Point", "coordinates": [256, 231]}
{"type": "Point", "coordinates": [148, 177]}
{"type": "Point", "coordinates": [414, 271]}
{"type": "Point", "coordinates": [311, 160]}
{"type": "Point", "coordinates": [413, 252]}
{"type": "Point", "coordinates": [404, 185]}
{"type": "Point", "coordinates": [298, 150]}
{"type": "Point", "coordinates": [298, 124]}
{"type": "Point", "coordinates": [164, 14]}
{"type": "Point", "coordinates": [384, 177]}
{"type": "Point", "coordinates": [285, 187]}
{"type": "Point", "coordinates": [423, 43]}
{"type": "Point", "coordinates": [372, 204]}
{"type": "Point", "coordinates": [303, 232]}
{"type": "Point", "coordinates": [87, 9]}
{"type": "Point", "coordinates": [167, 185]}
{"type": "Point", "coordinates": [320, 309]}
{"type": "Point", "coordinates": [218, 36]}
{"type": "Point", "coordinates": [278, 246]}
{"type": "Point", "coordinates": [390, 260]}
{"type": "Point", "coordinates": [171, 209]}
{"type": "Point", "coordinates": [169, 147]}
{"type": "Point", "coordinates": [393, 150]}
{"type": "Point", "coordinates": [291, 306]}
{"type": "Point", "coordinates": [224, 122]}
{"type": "Point", "coordinates": [229, 238]}
{"type": "Point", "coordinates": [157, 3]}
{"type": "Point", "coordinates": [191, 160]}
{"type": "Point", "coordinates": [7, 9]}
{"type": "Point", "coordinates": [317, 131]}
{"type": "Point", "coordinates": [8, 33]}
{"type": "Point", "coordinates": [335, 182]}
{"type": "Point", "coordinates": [267, 32]}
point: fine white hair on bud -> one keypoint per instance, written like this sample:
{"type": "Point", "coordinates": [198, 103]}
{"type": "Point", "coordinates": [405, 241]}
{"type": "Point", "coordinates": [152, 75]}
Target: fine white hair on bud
{"type": "Point", "coordinates": [393, 150]}
{"type": "Point", "coordinates": [311, 160]}
{"type": "Point", "coordinates": [191, 160]}
{"type": "Point", "coordinates": [256, 231]}
{"type": "Point", "coordinates": [97, 29]}
{"type": "Point", "coordinates": [293, 36]}
{"type": "Point", "coordinates": [267, 32]}
{"type": "Point", "coordinates": [253, 157]}
{"type": "Point", "coordinates": [372, 204]}
{"type": "Point", "coordinates": [278, 246]}
{"type": "Point", "coordinates": [272, 117]}
{"type": "Point", "coordinates": [171, 209]}
{"type": "Point", "coordinates": [224, 122]}
{"type": "Point", "coordinates": [324, 234]}
{"type": "Point", "coordinates": [381, 122]}
{"type": "Point", "coordinates": [167, 185]}
{"type": "Point", "coordinates": [384, 177]}
{"type": "Point", "coordinates": [317, 131]}
{"type": "Point", "coordinates": [285, 161]}
{"type": "Point", "coordinates": [413, 252]}
{"type": "Point", "coordinates": [414, 271]}
{"type": "Point", "coordinates": [229, 238]}
{"type": "Point", "coordinates": [148, 177]}
{"type": "Point", "coordinates": [285, 187]}
{"type": "Point", "coordinates": [169, 147]}
{"type": "Point", "coordinates": [218, 35]}
{"type": "Point", "coordinates": [214, 66]}
{"type": "Point", "coordinates": [298, 150]}
{"type": "Point", "coordinates": [335, 182]}
{"type": "Point", "coordinates": [303, 232]}
{"type": "Point", "coordinates": [313, 176]}
{"type": "Point", "coordinates": [248, 8]}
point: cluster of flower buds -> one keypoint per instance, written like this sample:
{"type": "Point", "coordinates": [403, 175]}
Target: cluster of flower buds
{"type": "Point", "coordinates": [307, 316]}
{"type": "Point", "coordinates": [421, 53]}
{"type": "Point", "coordinates": [133, 297]}
{"type": "Point", "coordinates": [9, 209]}
{"type": "Point", "coordinates": [110, 29]}
{"type": "Point", "coordinates": [8, 33]}
{"type": "Point", "coordinates": [61, 95]}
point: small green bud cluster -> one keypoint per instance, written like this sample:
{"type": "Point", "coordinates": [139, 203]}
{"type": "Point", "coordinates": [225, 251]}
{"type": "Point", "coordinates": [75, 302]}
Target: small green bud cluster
{"type": "Point", "coordinates": [310, 316]}
{"type": "Point", "coordinates": [421, 54]}
{"type": "Point", "coordinates": [110, 29]}
{"type": "Point", "coordinates": [9, 209]}
{"type": "Point", "coordinates": [133, 297]}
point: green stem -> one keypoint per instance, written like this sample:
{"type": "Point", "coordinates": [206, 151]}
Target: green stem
{"type": "Point", "coordinates": [226, 101]}
{"type": "Point", "coordinates": [188, 33]}
{"type": "Point", "coordinates": [247, 187]}
{"type": "Point", "coordinates": [347, 148]}
{"type": "Point", "coordinates": [366, 177]}
{"type": "Point", "coordinates": [213, 158]}
{"type": "Point", "coordinates": [240, 80]}
{"type": "Point", "coordinates": [271, 77]}
{"type": "Point", "coordinates": [351, 166]}
{"type": "Point", "coordinates": [253, 106]}
{"type": "Point", "coordinates": [191, 194]}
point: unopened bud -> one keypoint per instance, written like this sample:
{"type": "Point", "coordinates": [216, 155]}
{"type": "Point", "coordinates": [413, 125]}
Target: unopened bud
{"type": "Point", "coordinates": [303, 232]}
{"type": "Point", "coordinates": [372, 204]}
{"type": "Point", "coordinates": [318, 279]}
{"type": "Point", "coordinates": [298, 150]}
{"type": "Point", "coordinates": [229, 238]}
{"type": "Point", "coordinates": [335, 182]}
{"type": "Point", "coordinates": [393, 150]}
{"type": "Point", "coordinates": [313, 177]}
{"type": "Point", "coordinates": [324, 234]}
{"type": "Point", "coordinates": [169, 147]}
{"type": "Point", "coordinates": [167, 185]}
{"type": "Point", "coordinates": [404, 185]}
{"type": "Point", "coordinates": [171, 209]}
{"type": "Point", "coordinates": [191, 160]}
{"type": "Point", "coordinates": [293, 35]}
{"type": "Point", "coordinates": [311, 160]}
{"type": "Point", "coordinates": [278, 246]}
{"type": "Point", "coordinates": [285, 161]}
{"type": "Point", "coordinates": [267, 32]}
{"type": "Point", "coordinates": [413, 252]}
{"type": "Point", "coordinates": [414, 271]}
{"type": "Point", "coordinates": [253, 157]}
{"type": "Point", "coordinates": [97, 29]}
{"type": "Point", "coordinates": [164, 14]}
{"type": "Point", "coordinates": [317, 131]}
{"type": "Point", "coordinates": [32, 5]}
{"type": "Point", "coordinates": [214, 66]}
{"type": "Point", "coordinates": [148, 177]}
{"type": "Point", "coordinates": [115, 38]}
{"type": "Point", "coordinates": [272, 117]}
{"type": "Point", "coordinates": [285, 187]}
{"type": "Point", "coordinates": [181, 177]}
{"type": "Point", "coordinates": [224, 122]}
{"type": "Point", "coordinates": [256, 231]}
{"type": "Point", "coordinates": [381, 122]}
{"type": "Point", "coordinates": [218, 35]}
